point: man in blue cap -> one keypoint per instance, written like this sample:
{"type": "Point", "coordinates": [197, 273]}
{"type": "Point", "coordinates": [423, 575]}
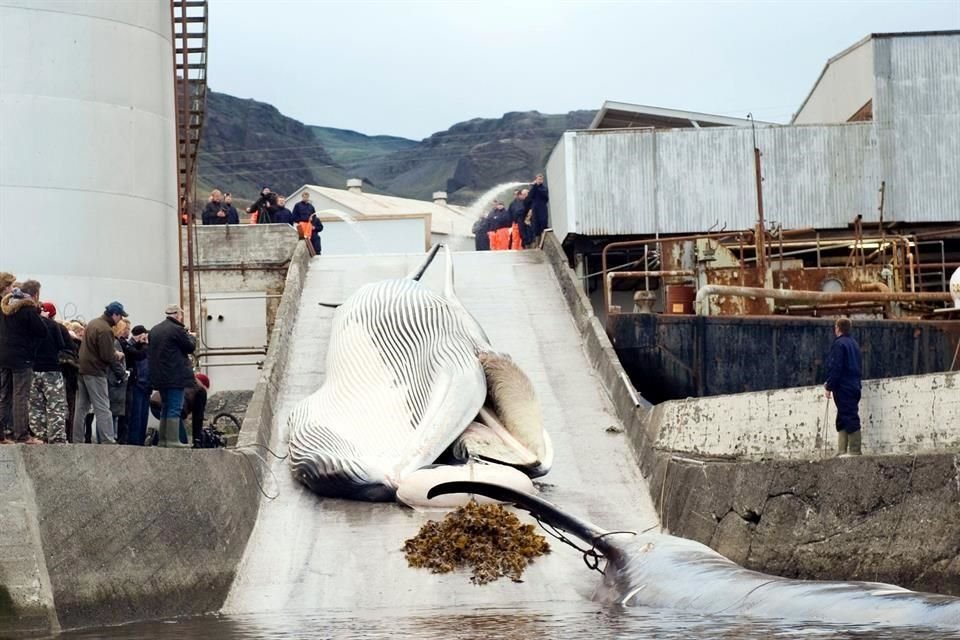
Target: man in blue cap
{"type": "Point", "coordinates": [97, 353]}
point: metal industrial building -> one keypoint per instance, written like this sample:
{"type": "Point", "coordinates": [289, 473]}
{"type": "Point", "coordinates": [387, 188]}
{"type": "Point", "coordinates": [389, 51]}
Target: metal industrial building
{"type": "Point", "coordinates": [861, 190]}
{"type": "Point", "coordinates": [901, 92]}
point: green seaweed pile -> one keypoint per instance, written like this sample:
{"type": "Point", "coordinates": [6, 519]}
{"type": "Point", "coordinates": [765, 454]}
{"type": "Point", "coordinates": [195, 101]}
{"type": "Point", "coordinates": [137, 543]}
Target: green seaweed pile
{"type": "Point", "coordinates": [487, 538]}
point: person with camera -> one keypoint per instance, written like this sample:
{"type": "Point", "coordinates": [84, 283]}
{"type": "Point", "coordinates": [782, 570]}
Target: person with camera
{"type": "Point", "coordinates": [263, 207]}
{"type": "Point", "coordinates": [215, 212]}
{"type": "Point", "coordinates": [138, 385]}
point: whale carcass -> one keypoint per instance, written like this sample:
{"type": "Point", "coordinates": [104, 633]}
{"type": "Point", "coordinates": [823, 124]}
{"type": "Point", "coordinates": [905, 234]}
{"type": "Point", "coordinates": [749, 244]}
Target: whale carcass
{"type": "Point", "coordinates": [664, 571]}
{"type": "Point", "coordinates": [411, 378]}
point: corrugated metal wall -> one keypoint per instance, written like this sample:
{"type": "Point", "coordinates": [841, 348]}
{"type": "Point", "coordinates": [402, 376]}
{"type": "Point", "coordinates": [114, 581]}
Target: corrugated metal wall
{"type": "Point", "coordinates": [683, 181]}
{"type": "Point", "coordinates": [916, 114]}
{"type": "Point", "coordinates": [621, 182]}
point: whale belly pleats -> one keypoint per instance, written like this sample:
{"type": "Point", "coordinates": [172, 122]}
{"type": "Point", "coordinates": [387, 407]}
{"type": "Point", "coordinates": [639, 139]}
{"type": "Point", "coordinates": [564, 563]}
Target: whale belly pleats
{"type": "Point", "coordinates": [402, 379]}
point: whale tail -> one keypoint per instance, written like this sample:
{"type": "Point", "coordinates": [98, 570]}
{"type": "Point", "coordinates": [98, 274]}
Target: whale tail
{"type": "Point", "coordinates": [544, 511]}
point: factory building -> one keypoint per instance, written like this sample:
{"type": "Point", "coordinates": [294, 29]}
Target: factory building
{"type": "Point", "coordinates": [867, 175]}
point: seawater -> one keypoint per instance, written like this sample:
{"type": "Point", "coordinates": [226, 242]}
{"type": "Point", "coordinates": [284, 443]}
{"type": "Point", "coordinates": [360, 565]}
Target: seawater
{"type": "Point", "coordinates": [584, 621]}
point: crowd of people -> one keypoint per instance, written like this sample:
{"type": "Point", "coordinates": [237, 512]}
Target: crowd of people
{"type": "Point", "coordinates": [268, 208]}
{"type": "Point", "coordinates": [518, 226]}
{"type": "Point", "coordinates": [94, 382]}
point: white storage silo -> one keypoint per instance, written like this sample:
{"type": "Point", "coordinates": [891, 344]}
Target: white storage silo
{"type": "Point", "coordinates": [88, 182]}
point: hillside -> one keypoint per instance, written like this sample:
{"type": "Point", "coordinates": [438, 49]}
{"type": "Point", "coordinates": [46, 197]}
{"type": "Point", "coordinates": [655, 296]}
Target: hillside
{"type": "Point", "coordinates": [470, 157]}
{"type": "Point", "coordinates": [350, 148]}
{"type": "Point", "coordinates": [248, 144]}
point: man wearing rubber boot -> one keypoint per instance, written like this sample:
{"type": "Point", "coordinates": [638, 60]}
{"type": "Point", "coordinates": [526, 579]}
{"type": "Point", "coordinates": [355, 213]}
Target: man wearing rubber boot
{"type": "Point", "coordinates": [843, 383]}
{"type": "Point", "coordinates": [170, 346]}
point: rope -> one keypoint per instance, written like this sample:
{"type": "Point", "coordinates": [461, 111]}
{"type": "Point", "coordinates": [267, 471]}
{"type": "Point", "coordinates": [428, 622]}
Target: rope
{"type": "Point", "coordinates": [256, 476]}
{"type": "Point", "coordinates": [591, 557]}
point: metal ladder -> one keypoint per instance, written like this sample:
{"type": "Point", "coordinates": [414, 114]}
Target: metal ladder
{"type": "Point", "coordinates": [189, 22]}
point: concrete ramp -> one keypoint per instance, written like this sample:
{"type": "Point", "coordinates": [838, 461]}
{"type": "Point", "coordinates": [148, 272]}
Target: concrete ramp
{"type": "Point", "coordinates": [308, 552]}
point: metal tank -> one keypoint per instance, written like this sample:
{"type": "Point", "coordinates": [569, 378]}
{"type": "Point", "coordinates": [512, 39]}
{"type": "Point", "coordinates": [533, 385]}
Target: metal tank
{"type": "Point", "coordinates": [88, 173]}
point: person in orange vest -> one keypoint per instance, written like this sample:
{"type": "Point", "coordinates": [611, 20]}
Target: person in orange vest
{"type": "Point", "coordinates": [301, 215]}
{"type": "Point", "coordinates": [518, 212]}
{"type": "Point", "coordinates": [500, 223]}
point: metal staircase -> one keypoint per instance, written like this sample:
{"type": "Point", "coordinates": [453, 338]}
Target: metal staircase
{"type": "Point", "coordinates": [189, 24]}
{"type": "Point", "coordinates": [190, 80]}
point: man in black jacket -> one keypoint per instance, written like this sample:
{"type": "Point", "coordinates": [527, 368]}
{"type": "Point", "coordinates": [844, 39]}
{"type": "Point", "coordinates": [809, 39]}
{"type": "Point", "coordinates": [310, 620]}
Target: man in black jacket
{"type": "Point", "coordinates": [303, 209]}
{"type": "Point", "coordinates": [537, 200]}
{"type": "Point", "coordinates": [216, 211]}
{"type": "Point", "coordinates": [170, 372]}
{"type": "Point", "coordinates": [48, 396]}
{"type": "Point", "coordinates": [233, 216]}
{"type": "Point", "coordinates": [21, 332]}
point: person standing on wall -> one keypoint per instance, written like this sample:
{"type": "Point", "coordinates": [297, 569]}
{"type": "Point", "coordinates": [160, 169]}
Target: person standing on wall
{"type": "Point", "coordinates": [170, 346]}
{"type": "Point", "coordinates": [316, 226]}
{"type": "Point", "coordinates": [215, 212]}
{"type": "Point", "coordinates": [301, 214]}
{"type": "Point", "coordinates": [844, 372]}
{"type": "Point", "coordinates": [97, 355]}
{"type": "Point", "coordinates": [537, 200]}
{"type": "Point", "coordinates": [21, 333]}
{"type": "Point", "coordinates": [518, 211]}
{"type": "Point", "coordinates": [481, 241]}
{"type": "Point", "coordinates": [233, 216]}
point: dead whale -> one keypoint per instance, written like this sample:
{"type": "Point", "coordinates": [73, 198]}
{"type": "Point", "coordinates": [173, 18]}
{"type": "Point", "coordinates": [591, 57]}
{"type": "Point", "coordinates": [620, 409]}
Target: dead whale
{"type": "Point", "coordinates": [663, 571]}
{"type": "Point", "coordinates": [411, 375]}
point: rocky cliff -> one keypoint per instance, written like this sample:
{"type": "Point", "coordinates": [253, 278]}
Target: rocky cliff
{"type": "Point", "coordinates": [248, 144]}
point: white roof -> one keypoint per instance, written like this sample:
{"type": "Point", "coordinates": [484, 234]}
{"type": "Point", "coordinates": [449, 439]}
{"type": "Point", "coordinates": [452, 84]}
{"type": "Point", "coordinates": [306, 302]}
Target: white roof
{"type": "Point", "coordinates": [444, 218]}
{"type": "Point", "coordinates": [620, 114]}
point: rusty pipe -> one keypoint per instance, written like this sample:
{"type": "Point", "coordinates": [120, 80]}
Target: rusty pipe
{"type": "Point", "coordinates": [874, 286]}
{"type": "Point", "coordinates": [814, 296]}
{"type": "Point", "coordinates": [632, 244]}
{"type": "Point", "coordinates": [612, 275]}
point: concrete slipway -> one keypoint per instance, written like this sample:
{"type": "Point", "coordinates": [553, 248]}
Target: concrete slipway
{"type": "Point", "coordinates": [311, 553]}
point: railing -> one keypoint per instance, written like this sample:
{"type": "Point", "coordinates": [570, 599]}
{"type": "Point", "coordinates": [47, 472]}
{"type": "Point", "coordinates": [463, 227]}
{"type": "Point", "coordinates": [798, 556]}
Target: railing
{"type": "Point", "coordinates": [189, 24]}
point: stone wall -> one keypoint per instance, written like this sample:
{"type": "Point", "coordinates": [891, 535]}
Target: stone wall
{"type": "Point", "coordinates": [96, 535]}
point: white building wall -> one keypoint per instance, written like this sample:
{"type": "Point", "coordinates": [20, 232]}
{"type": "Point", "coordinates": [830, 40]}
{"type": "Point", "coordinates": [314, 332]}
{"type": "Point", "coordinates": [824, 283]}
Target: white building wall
{"type": "Point", "coordinates": [844, 87]}
{"type": "Point", "coordinates": [88, 153]}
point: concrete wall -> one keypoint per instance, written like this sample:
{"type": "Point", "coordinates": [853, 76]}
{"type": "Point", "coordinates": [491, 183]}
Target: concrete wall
{"type": "Point", "coordinates": [908, 415]}
{"type": "Point", "coordinates": [233, 261]}
{"type": "Point", "coordinates": [94, 535]}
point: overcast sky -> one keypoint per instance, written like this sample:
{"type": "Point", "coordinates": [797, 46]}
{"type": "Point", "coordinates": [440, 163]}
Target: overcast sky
{"type": "Point", "coordinates": [413, 68]}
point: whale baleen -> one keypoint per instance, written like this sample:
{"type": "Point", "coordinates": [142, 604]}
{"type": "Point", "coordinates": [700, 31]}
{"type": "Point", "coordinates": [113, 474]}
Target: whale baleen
{"type": "Point", "coordinates": [664, 571]}
{"type": "Point", "coordinates": [412, 377]}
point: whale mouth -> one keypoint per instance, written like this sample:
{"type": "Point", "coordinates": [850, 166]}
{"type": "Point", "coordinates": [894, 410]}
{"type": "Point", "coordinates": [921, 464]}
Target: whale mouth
{"type": "Point", "coordinates": [508, 428]}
